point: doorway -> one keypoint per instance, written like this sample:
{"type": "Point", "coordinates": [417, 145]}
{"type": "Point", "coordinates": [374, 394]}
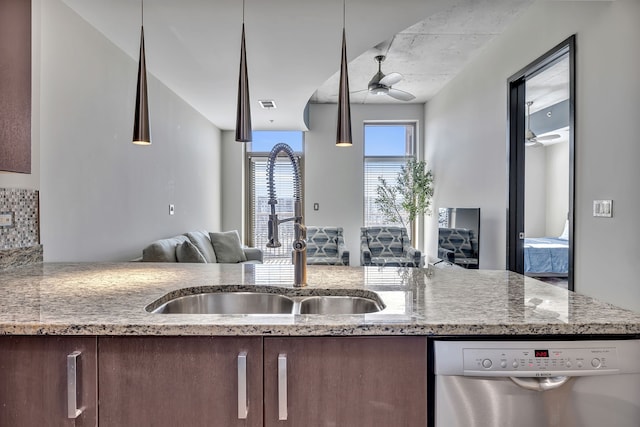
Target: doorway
{"type": "Point", "coordinates": [541, 167]}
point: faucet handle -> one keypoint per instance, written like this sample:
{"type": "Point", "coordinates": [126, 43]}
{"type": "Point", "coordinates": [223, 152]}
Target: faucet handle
{"type": "Point", "coordinates": [274, 241]}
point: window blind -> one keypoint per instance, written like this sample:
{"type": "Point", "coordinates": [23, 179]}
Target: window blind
{"type": "Point", "coordinates": [386, 168]}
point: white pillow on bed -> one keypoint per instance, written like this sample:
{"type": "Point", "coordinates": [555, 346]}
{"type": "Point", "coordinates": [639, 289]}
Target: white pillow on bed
{"type": "Point", "coordinates": [565, 232]}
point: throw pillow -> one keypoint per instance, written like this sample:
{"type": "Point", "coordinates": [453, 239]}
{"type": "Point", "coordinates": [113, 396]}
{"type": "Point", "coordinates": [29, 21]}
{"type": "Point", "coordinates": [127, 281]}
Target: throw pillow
{"type": "Point", "coordinates": [163, 250]}
{"type": "Point", "coordinates": [187, 252]}
{"type": "Point", "coordinates": [200, 240]}
{"type": "Point", "coordinates": [227, 247]}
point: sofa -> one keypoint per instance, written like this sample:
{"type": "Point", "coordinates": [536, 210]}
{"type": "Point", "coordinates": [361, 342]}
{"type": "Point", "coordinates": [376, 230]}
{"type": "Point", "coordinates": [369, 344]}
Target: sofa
{"type": "Point", "coordinates": [202, 247]}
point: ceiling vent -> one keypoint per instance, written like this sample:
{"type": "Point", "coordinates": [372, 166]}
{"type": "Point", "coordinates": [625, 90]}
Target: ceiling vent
{"type": "Point", "coordinates": [267, 104]}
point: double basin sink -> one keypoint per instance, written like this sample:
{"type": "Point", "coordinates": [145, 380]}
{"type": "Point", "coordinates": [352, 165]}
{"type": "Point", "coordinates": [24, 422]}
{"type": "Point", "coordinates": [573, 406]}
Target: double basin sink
{"type": "Point", "coordinates": [258, 302]}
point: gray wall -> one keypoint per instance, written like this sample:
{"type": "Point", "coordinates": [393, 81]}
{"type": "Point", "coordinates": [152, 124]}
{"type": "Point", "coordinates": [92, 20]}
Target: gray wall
{"type": "Point", "coordinates": [466, 137]}
{"type": "Point", "coordinates": [103, 198]}
{"type": "Point", "coordinates": [535, 194]}
{"type": "Point", "coordinates": [333, 175]}
{"type": "Point", "coordinates": [232, 206]}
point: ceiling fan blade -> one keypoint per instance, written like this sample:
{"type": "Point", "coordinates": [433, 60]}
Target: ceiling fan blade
{"type": "Point", "coordinates": [400, 95]}
{"type": "Point", "coordinates": [335, 95]}
{"type": "Point", "coordinates": [533, 143]}
{"type": "Point", "coordinates": [391, 79]}
{"type": "Point", "coordinates": [548, 137]}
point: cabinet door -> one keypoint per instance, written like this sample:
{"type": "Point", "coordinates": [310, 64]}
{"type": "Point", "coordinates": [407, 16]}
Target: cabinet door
{"type": "Point", "coordinates": [34, 390]}
{"type": "Point", "coordinates": [179, 381]}
{"type": "Point", "coordinates": [347, 381]}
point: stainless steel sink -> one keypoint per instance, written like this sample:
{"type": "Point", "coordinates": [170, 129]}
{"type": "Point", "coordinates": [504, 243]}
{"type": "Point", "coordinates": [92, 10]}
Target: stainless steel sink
{"type": "Point", "coordinates": [334, 304]}
{"type": "Point", "coordinates": [257, 302]}
{"type": "Point", "coordinates": [228, 303]}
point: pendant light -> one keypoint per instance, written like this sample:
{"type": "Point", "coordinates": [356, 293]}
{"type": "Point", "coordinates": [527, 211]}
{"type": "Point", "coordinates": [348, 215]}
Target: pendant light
{"type": "Point", "coordinates": [141, 134]}
{"type": "Point", "coordinates": [343, 138]}
{"type": "Point", "coordinates": [243, 116]}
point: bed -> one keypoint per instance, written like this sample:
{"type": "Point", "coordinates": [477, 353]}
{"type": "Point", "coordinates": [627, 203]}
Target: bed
{"type": "Point", "coordinates": [546, 256]}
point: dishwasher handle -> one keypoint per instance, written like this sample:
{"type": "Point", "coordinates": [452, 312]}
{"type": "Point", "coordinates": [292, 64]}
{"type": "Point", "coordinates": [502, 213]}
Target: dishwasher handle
{"type": "Point", "coordinates": [541, 384]}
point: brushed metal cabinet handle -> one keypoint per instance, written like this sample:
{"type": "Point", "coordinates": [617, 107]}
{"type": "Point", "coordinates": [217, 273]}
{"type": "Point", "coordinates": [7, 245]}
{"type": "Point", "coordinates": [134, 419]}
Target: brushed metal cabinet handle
{"type": "Point", "coordinates": [243, 403]}
{"type": "Point", "coordinates": [72, 385]}
{"type": "Point", "coordinates": [282, 387]}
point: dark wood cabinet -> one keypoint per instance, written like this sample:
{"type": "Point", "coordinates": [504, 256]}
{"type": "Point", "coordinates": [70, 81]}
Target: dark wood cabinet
{"type": "Point", "coordinates": [346, 381]}
{"type": "Point", "coordinates": [34, 390]}
{"type": "Point", "coordinates": [179, 381]}
{"type": "Point", "coordinates": [215, 381]}
{"type": "Point", "coordinates": [15, 86]}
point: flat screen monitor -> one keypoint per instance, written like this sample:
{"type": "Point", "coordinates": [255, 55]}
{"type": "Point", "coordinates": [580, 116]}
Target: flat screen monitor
{"type": "Point", "coordinates": [459, 236]}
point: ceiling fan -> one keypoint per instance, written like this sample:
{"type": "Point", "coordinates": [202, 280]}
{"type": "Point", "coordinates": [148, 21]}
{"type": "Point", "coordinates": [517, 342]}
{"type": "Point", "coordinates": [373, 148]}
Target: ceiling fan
{"type": "Point", "coordinates": [381, 84]}
{"type": "Point", "coordinates": [531, 139]}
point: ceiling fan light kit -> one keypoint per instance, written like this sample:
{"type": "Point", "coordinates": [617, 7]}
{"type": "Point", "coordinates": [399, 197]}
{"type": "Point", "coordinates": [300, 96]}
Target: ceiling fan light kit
{"type": "Point", "coordinates": [381, 84]}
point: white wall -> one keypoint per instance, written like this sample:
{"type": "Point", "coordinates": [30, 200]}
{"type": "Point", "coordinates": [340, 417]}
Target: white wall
{"type": "Point", "coordinates": [557, 188]}
{"type": "Point", "coordinates": [466, 137]}
{"type": "Point", "coordinates": [547, 189]}
{"type": "Point", "coordinates": [333, 175]}
{"type": "Point", "coordinates": [104, 198]}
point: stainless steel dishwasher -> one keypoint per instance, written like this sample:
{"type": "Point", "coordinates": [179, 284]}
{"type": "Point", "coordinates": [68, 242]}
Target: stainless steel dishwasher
{"type": "Point", "coordinates": [537, 383]}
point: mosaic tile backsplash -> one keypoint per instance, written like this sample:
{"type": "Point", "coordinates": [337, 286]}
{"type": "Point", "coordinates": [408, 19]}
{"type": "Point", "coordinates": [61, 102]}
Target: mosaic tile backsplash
{"type": "Point", "coordinates": [23, 205]}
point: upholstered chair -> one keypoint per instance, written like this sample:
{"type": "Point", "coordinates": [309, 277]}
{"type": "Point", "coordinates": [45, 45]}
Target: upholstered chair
{"type": "Point", "coordinates": [388, 246]}
{"type": "Point", "coordinates": [458, 245]}
{"type": "Point", "coordinates": [325, 246]}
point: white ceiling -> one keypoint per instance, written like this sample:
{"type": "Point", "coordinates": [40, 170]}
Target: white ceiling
{"type": "Point", "coordinates": [549, 87]}
{"type": "Point", "coordinates": [293, 47]}
{"type": "Point", "coordinates": [430, 53]}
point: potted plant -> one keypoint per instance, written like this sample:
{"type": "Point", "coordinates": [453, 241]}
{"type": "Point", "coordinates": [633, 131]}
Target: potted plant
{"type": "Point", "coordinates": [410, 196]}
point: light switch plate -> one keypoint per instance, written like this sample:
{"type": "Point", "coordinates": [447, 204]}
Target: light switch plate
{"type": "Point", "coordinates": [172, 209]}
{"type": "Point", "coordinates": [603, 208]}
{"type": "Point", "coordinates": [6, 219]}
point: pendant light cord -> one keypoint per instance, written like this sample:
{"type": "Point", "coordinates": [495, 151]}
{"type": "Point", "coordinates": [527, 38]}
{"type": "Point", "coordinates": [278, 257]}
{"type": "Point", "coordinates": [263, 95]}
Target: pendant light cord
{"type": "Point", "coordinates": [243, 12]}
{"type": "Point", "coordinates": [344, 13]}
{"type": "Point", "coordinates": [142, 13]}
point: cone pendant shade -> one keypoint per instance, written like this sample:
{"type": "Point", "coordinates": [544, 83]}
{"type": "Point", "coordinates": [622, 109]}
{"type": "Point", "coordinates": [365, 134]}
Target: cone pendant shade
{"type": "Point", "coordinates": [343, 138]}
{"type": "Point", "coordinates": [243, 117]}
{"type": "Point", "coordinates": [141, 134]}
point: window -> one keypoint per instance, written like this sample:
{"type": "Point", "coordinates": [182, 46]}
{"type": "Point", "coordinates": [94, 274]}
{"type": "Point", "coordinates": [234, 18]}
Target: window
{"type": "Point", "coordinates": [387, 147]}
{"type": "Point", "coordinates": [258, 208]}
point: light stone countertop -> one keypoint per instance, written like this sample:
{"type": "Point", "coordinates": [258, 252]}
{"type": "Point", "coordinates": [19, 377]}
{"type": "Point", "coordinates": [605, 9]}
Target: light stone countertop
{"type": "Point", "coordinates": [110, 299]}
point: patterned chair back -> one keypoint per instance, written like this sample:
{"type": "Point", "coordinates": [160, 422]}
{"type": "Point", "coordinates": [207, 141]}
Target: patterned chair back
{"type": "Point", "coordinates": [323, 241]}
{"type": "Point", "coordinates": [386, 241]}
{"type": "Point", "coordinates": [459, 240]}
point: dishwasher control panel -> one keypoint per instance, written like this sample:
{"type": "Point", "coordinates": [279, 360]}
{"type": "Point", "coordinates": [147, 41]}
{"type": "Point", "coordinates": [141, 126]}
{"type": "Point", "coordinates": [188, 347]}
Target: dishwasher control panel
{"type": "Point", "coordinates": [546, 361]}
{"type": "Point", "coordinates": [536, 358]}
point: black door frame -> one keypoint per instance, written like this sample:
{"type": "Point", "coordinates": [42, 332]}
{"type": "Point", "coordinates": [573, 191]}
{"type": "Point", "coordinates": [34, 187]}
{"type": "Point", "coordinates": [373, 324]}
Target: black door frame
{"type": "Point", "coordinates": [516, 153]}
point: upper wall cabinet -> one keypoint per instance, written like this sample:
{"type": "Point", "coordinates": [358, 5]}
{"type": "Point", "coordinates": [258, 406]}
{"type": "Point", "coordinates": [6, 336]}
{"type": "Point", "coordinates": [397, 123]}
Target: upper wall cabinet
{"type": "Point", "coordinates": [15, 86]}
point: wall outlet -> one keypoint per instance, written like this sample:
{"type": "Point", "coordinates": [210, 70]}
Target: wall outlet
{"type": "Point", "coordinates": [6, 219]}
{"type": "Point", "coordinates": [603, 208]}
{"type": "Point", "coordinates": [172, 209]}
